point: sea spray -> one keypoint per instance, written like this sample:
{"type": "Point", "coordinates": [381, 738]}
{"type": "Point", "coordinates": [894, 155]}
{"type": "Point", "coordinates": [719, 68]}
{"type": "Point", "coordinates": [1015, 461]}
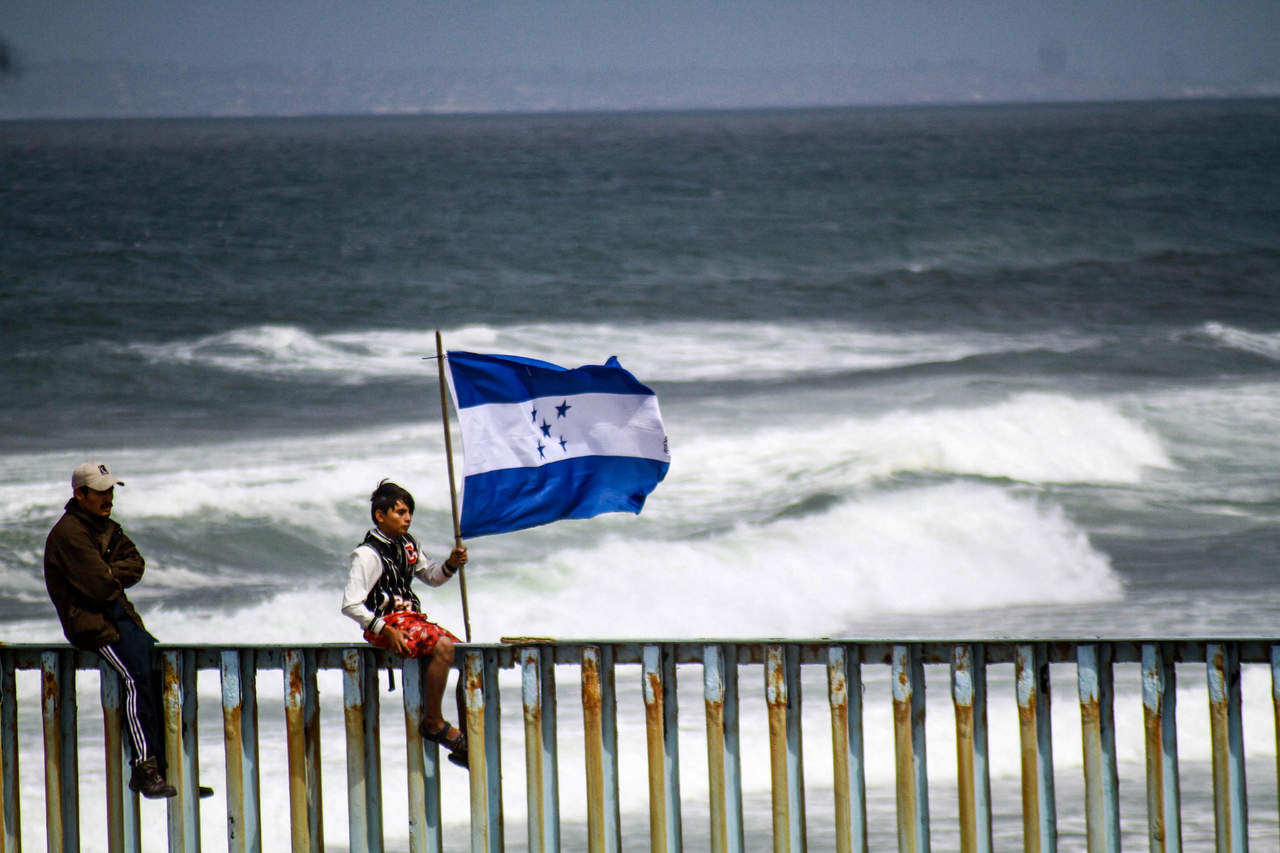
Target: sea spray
{"type": "Point", "coordinates": [938, 548]}
{"type": "Point", "coordinates": [664, 351]}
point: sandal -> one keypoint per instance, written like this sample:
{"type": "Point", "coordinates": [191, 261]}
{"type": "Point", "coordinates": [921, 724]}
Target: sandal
{"type": "Point", "coordinates": [457, 746]}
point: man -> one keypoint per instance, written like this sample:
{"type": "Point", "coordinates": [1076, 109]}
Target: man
{"type": "Point", "coordinates": [88, 564]}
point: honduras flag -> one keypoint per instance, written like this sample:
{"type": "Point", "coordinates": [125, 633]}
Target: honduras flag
{"type": "Point", "coordinates": [543, 442]}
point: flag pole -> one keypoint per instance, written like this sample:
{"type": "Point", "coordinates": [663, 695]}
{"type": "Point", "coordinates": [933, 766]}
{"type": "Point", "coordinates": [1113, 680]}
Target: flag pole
{"type": "Point", "coordinates": [453, 489]}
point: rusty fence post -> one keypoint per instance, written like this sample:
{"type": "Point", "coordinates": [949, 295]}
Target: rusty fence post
{"type": "Point", "coordinates": [364, 777]}
{"type": "Point", "coordinates": [724, 774]}
{"type": "Point", "coordinates": [10, 813]}
{"type": "Point", "coordinates": [69, 728]}
{"type": "Point", "coordinates": [782, 696]}
{"type": "Point", "coordinates": [240, 744]}
{"type": "Point", "coordinates": [113, 749]}
{"type": "Point", "coordinates": [600, 733]}
{"type": "Point", "coordinates": [658, 674]}
{"type": "Point", "coordinates": [422, 764]}
{"type": "Point", "coordinates": [912, 774]}
{"type": "Point", "coordinates": [969, 696]}
{"type": "Point", "coordinates": [311, 717]}
{"type": "Point", "coordinates": [483, 750]}
{"type": "Point", "coordinates": [372, 748]}
{"type": "Point", "coordinates": [493, 745]}
{"type": "Point", "coordinates": [353, 714]}
{"type": "Point", "coordinates": [1230, 808]}
{"type": "Point", "coordinates": [302, 737]}
{"type": "Point", "coordinates": [795, 750]}
{"type": "Point", "coordinates": [62, 807]}
{"type": "Point", "coordinates": [183, 773]}
{"type": "Point", "coordinates": [844, 692]}
{"type": "Point", "coordinates": [1275, 703]}
{"type": "Point", "coordinates": [1039, 814]}
{"type": "Point", "coordinates": [732, 752]}
{"type": "Point", "coordinates": [538, 689]}
{"type": "Point", "coordinates": [1094, 681]}
{"type": "Point", "coordinates": [122, 803]}
{"type": "Point", "coordinates": [775, 697]}
{"type": "Point", "coordinates": [1159, 712]}
{"type": "Point", "coordinates": [713, 699]}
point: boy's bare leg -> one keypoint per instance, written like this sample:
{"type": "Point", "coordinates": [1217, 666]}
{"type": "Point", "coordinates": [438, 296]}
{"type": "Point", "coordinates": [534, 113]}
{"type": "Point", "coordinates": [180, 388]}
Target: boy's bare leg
{"type": "Point", "coordinates": [436, 676]}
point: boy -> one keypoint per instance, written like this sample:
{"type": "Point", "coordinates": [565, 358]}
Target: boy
{"type": "Point", "coordinates": [378, 598]}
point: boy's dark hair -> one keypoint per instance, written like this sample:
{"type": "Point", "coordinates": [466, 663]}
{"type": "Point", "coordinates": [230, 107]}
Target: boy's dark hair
{"type": "Point", "coordinates": [385, 496]}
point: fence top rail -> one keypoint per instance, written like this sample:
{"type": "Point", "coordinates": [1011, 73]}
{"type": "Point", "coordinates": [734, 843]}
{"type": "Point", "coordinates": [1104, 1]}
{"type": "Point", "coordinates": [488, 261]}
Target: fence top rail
{"type": "Point", "coordinates": [269, 656]}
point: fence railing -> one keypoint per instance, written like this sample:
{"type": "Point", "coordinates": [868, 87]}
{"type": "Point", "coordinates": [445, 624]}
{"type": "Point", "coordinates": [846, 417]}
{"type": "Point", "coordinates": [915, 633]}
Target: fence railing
{"type": "Point", "coordinates": [659, 664]}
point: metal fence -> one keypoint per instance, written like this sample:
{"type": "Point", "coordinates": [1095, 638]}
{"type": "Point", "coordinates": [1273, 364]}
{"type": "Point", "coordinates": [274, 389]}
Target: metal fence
{"type": "Point", "coordinates": [721, 663]}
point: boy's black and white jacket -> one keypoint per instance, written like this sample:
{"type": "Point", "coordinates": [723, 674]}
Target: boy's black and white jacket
{"type": "Point", "coordinates": [379, 573]}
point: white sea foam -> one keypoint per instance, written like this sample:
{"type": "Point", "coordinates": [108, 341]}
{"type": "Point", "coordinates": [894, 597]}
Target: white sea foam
{"type": "Point", "coordinates": [1226, 439]}
{"type": "Point", "coordinates": [1266, 344]}
{"type": "Point", "coordinates": [931, 549]}
{"type": "Point", "coordinates": [1216, 423]}
{"type": "Point", "coordinates": [1047, 438]}
{"type": "Point", "coordinates": [657, 352]}
{"type": "Point", "coordinates": [1035, 438]}
{"type": "Point", "coordinates": [279, 350]}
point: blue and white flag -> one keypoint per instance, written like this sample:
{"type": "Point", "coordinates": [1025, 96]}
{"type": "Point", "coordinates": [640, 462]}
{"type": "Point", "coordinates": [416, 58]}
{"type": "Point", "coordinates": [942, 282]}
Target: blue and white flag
{"type": "Point", "coordinates": [543, 442]}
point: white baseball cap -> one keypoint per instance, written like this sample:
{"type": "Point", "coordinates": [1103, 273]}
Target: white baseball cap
{"type": "Point", "coordinates": [95, 475]}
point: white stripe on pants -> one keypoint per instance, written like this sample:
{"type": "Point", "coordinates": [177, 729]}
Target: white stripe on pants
{"type": "Point", "coordinates": [141, 750]}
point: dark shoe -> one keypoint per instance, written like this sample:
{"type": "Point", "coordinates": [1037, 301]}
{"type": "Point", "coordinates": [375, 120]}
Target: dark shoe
{"type": "Point", "coordinates": [457, 746]}
{"type": "Point", "coordinates": [148, 782]}
{"type": "Point", "coordinates": [205, 792]}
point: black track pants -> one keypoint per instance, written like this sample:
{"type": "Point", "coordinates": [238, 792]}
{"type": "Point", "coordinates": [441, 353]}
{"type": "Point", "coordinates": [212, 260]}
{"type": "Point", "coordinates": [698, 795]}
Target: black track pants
{"type": "Point", "coordinates": [132, 657]}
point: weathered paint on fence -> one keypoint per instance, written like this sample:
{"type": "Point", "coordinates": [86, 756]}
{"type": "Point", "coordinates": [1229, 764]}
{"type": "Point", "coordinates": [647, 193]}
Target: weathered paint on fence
{"type": "Point", "coordinates": [600, 733]}
{"type": "Point", "coordinates": [658, 679]}
{"type": "Point", "coordinates": [1230, 813]}
{"type": "Point", "coordinates": [1039, 815]}
{"type": "Point", "coordinates": [240, 734]}
{"type": "Point", "coordinates": [969, 694]}
{"type": "Point", "coordinates": [538, 691]}
{"type": "Point", "coordinates": [782, 696]}
{"type": "Point", "coordinates": [1097, 734]}
{"type": "Point", "coordinates": [1159, 710]}
{"type": "Point", "coordinates": [909, 745]}
{"type": "Point", "coordinates": [844, 690]}
{"type": "Point", "coordinates": [658, 663]}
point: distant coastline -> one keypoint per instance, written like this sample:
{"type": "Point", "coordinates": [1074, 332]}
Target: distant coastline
{"type": "Point", "coordinates": [84, 89]}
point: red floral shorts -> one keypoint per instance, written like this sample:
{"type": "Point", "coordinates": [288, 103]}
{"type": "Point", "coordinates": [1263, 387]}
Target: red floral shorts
{"type": "Point", "coordinates": [419, 634]}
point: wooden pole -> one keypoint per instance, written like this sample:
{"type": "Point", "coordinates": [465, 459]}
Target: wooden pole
{"type": "Point", "coordinates": [453, 488]}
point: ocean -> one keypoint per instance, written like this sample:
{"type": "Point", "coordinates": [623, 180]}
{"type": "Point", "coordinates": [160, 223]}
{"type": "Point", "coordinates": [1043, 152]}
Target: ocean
{"type": "Point", "coordinates": [928, 372]}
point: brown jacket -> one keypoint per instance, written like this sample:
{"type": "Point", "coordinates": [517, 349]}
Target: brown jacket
{"type": "Point", "coordinates": [88, 563]}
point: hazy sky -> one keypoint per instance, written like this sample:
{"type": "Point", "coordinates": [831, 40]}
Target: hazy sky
{"type": "Point", "coordinates": [1203, 39]}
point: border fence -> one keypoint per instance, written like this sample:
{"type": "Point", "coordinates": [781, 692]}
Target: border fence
{"type": "Point", "coordinates": [721, 663]}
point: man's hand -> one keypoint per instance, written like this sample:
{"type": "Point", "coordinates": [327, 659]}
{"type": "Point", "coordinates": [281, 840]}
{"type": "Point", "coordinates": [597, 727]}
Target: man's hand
{"type": "Point", "coordinates": [457, 558]}
{"type": "Point", "coordinates": [395, 639]}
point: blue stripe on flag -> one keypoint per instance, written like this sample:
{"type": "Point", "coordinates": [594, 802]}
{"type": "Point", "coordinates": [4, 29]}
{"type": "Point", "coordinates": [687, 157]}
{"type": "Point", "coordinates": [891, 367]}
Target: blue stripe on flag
{"type": "Point", "coordinates": [516, 498]}
{"type": "Point", "coordinates": [480, 378]}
